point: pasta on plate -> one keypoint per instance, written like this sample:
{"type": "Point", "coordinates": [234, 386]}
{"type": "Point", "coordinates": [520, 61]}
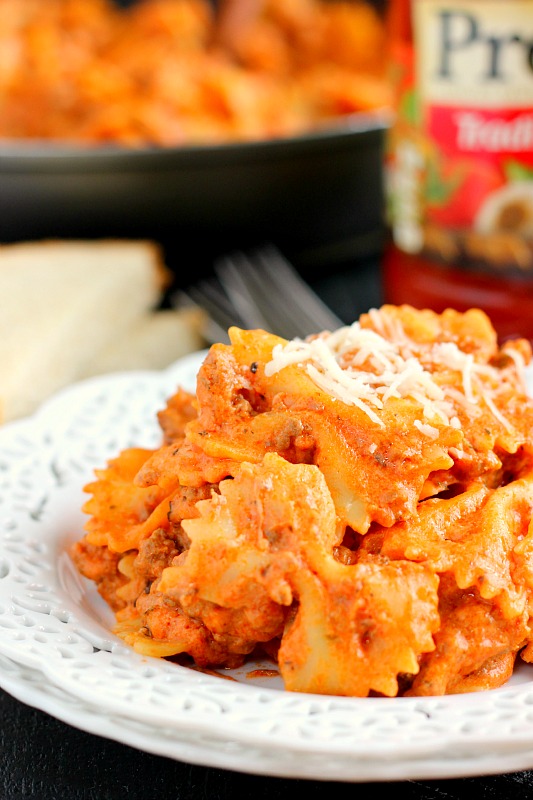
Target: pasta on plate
{"type": "Point", "coordinates": [356, 506]}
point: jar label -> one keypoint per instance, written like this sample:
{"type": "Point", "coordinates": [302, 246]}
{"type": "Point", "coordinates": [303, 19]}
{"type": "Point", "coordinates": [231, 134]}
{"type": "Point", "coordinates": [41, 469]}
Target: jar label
{"type": "Point", "coordinates": [463, 143]}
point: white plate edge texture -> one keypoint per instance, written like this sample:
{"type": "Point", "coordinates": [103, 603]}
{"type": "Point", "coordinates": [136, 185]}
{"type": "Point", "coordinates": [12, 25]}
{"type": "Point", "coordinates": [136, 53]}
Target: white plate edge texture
{"type": "Point", "coordinates": [47, 629]}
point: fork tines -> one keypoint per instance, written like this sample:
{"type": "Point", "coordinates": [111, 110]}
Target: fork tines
{"type": "Point", "coordinates": [259, 289]}
{"type": "Point", "coordinates": [284, 303]}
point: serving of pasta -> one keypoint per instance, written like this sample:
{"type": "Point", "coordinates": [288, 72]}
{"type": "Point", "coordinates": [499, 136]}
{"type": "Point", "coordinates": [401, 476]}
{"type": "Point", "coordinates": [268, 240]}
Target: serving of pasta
{"type": "Point", "coordinates": [355, 507]}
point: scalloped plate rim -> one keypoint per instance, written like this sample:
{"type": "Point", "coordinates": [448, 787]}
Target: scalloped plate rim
{"type": "Point", "coordinates": [432, 759]}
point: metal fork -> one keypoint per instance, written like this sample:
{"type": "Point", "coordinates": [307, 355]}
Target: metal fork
{"type": "Point", "coordinates": [259, 289]}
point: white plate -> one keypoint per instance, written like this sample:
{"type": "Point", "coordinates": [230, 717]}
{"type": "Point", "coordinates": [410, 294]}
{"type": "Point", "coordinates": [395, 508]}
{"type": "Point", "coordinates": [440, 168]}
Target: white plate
{"type": "Point", "coordinates": [57, 652]}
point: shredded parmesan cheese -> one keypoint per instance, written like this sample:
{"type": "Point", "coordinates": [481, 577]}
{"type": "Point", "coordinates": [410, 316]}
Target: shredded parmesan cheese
{"type": "Point", "coordinates": [520, 366]}
{"type": "Point", "coordinates": [427, 430]}
{"type": "Point", "coordinates": [366, 368]}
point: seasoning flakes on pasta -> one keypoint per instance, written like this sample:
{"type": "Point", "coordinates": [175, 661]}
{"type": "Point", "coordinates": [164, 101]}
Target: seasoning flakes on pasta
{"type": "Point", "coordinates": [356, 506]}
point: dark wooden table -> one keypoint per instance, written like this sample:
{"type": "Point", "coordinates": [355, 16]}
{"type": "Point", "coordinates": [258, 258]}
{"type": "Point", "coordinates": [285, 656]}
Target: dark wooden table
{"type": "Point", "coordinates": [42, 758]}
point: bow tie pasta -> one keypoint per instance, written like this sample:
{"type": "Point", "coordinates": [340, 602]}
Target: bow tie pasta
{"type": "Point", "coordinates": [356, 506]}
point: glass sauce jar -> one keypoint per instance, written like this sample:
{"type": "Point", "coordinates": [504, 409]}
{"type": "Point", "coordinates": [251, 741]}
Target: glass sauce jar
{"type": "Point", "coordinates": [459, 163]}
